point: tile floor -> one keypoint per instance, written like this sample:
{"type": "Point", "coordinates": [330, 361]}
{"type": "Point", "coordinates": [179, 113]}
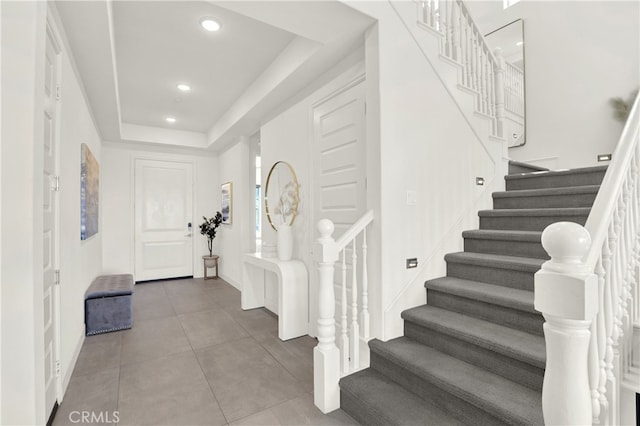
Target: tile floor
{"type": "Point", "coordinates": [193, 357]}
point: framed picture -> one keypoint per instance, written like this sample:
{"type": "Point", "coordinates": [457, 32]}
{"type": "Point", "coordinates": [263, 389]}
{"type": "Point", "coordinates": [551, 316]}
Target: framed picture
{"type": "Point", "coordinates": [89, 194]}
{"type": "Point", "coordinates": [226, 192]}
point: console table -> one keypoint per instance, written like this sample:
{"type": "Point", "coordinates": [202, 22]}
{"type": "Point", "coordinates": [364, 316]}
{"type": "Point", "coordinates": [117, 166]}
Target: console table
{"type": "Point", "coordinates": [293, 291]}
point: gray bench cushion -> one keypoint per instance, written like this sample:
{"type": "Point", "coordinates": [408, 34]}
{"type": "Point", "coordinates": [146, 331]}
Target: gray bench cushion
{"type": "Point", "coordinates": [108, 304]}
{"type": "Point", "coordinates": [109, 286]}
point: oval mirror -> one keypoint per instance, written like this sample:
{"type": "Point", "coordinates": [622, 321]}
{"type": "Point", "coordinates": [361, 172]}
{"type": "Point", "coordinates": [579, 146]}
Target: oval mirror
{"type": "Point", "coordinates": [281, 195]}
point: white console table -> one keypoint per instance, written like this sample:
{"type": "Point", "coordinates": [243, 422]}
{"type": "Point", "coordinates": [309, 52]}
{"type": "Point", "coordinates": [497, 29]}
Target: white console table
{"type": "Point", "coordinates": [293, 291]}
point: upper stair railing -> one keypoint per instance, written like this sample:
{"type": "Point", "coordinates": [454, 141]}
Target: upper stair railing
{"type": "Point", "coordinates": [588, 294]}
{"type": "Point", "coordinates": [331, 361]}
{"type": "Point", "coordinates": [463, 43]}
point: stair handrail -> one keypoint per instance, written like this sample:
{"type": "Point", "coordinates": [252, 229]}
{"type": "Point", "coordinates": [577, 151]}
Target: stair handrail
{"type": "Point", "coordinates": [354, 230]}
{"type": "Point", "coordinates": [605, 202]}
{"type": "Point", "coordinates": [331, 361]}
{"type": "Point", "coordinates": [588, 293]}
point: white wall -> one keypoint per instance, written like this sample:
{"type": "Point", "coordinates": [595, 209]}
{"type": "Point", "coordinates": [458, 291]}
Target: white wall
{"type": "Point", "coordinates": [118, 197]}
{"type": "Point", "coordinates": [235, 165]}
{"type": "Point", "coordinates": [578, 55]}
{"type": "Point", "coordinates": [80, 261]}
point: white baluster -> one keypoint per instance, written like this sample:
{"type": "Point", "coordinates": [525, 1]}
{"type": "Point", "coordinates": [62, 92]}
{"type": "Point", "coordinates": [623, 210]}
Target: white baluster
{"type": "Point", "coordinates": [355, 329]}
{"type": "Point", "coordinates": [567, 297]}
{"type": "Point", "coordinates": [364, 315]}
{"type": "Point", "coordinates": [602, 343]}
{"type": "Point", "coordinates": [344, 339]}
{"type": "Point", "coordinates": [455, 31]}
{"type": "Point", "coordinates": [500, 92]}
{"type": "Point", "coordinates": [608, 314]}
{"type": "Point", "coordinates": [326, 356]}
{"type": "Point", "coordinates": [594, 372]}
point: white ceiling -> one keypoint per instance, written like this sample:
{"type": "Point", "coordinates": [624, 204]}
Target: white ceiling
{"type": "Point", "coordinates": [131, 54]}
{"type": "Point", "coordinates": [160, 44]}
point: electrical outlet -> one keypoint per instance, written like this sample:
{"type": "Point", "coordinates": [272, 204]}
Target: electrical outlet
{"type": "Point", "coordinates": [412, 263]}
{"type": "Point", "coordinates": [479, 180]}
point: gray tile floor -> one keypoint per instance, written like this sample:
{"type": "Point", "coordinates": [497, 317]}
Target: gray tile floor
{"type": "Point", "coordinates": [193, 357]}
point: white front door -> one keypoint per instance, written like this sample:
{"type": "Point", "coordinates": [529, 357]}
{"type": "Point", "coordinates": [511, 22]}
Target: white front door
{"type": "Point", "coordinates": [163, 213]}
{"type": "Point", "coordinates": [49, 195]}
{"type": "Point", "coordinates": [339, 166]}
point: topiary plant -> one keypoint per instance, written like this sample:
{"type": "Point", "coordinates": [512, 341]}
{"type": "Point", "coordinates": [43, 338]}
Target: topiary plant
{"type": "Point", "coordinates": [208, 229]}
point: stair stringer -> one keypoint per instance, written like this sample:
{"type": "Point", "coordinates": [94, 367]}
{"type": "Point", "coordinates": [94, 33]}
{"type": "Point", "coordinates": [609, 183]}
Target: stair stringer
{"type": "Point", "coordinates": [449, 72]}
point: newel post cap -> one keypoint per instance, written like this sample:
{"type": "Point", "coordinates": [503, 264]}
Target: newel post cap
{"type": "Point", "coordinates": [325, 228]}
{"type": "Point", "coordinates": [325, 249]}
{"type": "Point", "coordinates": [567, 244]}
{"type": "Point", "coordinates": [564, 287]}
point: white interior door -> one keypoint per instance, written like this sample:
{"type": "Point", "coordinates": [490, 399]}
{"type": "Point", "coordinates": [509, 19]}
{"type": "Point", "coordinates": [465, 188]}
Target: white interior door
{"type": "Point", "coordinates": [340, 158]}
{"type": "Point", "coordinates": [50, 187]}
{"type": "Point", "coordinates": [163, 213]}
{"type": "Point", "coordinates": [340, 165]}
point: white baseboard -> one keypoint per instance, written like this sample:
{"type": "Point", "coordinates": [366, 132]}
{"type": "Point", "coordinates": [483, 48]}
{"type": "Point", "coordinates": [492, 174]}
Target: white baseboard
{"type": "Point", "coordinates": [68, 372]}
{"type": "Point", "coordinates": [231, 281]}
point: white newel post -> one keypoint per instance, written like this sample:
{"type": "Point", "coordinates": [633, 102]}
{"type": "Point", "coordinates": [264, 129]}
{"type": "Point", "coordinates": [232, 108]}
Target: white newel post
{"type": "Point", "coordinates": [326, 356]}
{"type": "Point", "coordinates": [567, 296]}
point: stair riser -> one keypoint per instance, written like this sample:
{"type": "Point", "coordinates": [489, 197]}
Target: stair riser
{"type": "Point", "coordinates": [520, 320]}
{"type": "Point", "coordinates": [551, 181]}
{"type": "Point", "coordinates": [526, 223]}
{"type": "Point", "coordinates": [487, 359]}
{"type": "Point", "coordinates": [543, 202]}
{"type": "Point", "coordinates": [507, 248]}
{"type": "Point", "coordinates": [515, 169]}
{"type": "Point", "coordinates": [488, 274]}
{"type": "Point", "coordinates": [453, 404]}
{"type": "Point", "coordinates": [359, 412]}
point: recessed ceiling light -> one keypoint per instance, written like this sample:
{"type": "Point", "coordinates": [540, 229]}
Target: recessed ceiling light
{"type": "Point", "coordinates": [210, 24]}
{"type": "Point", "coordinates": [184, 87]}
{"type": "Point", "coordinates": [170, 119]}
{"type": "Point", "coordinates": [520, 43]}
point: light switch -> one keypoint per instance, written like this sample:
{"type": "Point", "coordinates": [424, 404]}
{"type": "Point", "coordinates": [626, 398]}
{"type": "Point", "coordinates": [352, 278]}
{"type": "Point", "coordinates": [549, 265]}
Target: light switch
{"type": "Point", "coordinates": [412, 198]}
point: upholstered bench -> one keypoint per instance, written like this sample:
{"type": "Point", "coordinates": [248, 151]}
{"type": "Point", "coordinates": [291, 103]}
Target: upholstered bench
{"type": "Point", "coordinates": [108, 304]}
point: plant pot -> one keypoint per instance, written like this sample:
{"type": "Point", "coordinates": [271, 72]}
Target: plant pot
{"type": "Point", "coordinates": [285, 242]}
{"type": "Point", "coordinates": [209, 261]}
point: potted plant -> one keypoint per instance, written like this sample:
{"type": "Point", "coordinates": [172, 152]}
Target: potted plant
{"type": "Point", "coordinates": [208, 228]}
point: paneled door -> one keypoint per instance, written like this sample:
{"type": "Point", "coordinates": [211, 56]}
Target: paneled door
{"type": "Point", "coordinates": [339, 166]}
{"type": "Point", "coordinates": [163, 219]}
{"type": "Point", "coordinates": [340, 158]}
{"type": "Point", "coordinates": [51, 275]}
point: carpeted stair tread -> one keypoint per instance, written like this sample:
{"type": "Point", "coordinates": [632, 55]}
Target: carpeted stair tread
{"type": "Point", "coordinates": [504, 399]}
{"type": "Point", "coordinates": [510, 342]}
{"type": "Point", "coordinates": [557, 178]}
{"type": "Point", "coordinates": [517, 167]}
{"type": "Point", "coordinates": [380, 401]}
{"type": "Point", "coordinates": [544, 192]}
{"type": "Point", "coordinates": [524, 264]}
{"type": "Point", "coordinates": [571, 211]}
{"type": "Point", "coordinates": [566, 172]}
{"type": "Point", "coordinates": [503, 235]}
{"type": "Point", "coordinates": [514, 298]}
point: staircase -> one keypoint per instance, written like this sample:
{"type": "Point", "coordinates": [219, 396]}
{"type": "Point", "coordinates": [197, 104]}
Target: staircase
{"type": "Point", "coordinates": [475, 354]}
